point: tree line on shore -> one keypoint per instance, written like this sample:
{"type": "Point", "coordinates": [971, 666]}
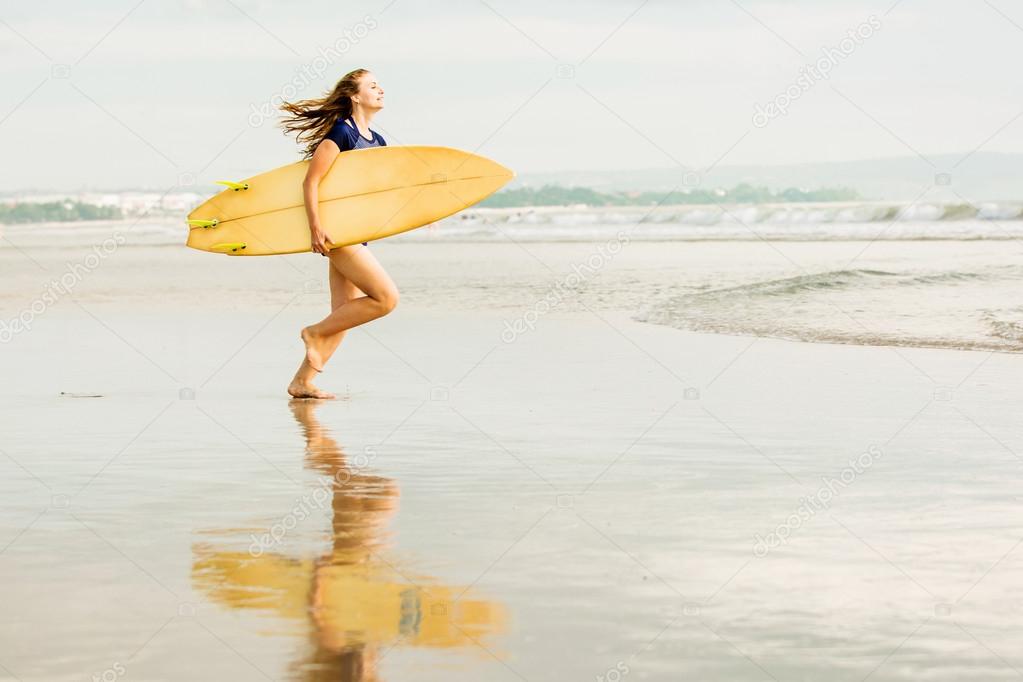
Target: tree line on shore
{"type": "Point", "coordinates": [555, 195]}
{"type": "Point", "coordinates": [548, 195]}
{"type": "Point", "coordinates": [56, 211]}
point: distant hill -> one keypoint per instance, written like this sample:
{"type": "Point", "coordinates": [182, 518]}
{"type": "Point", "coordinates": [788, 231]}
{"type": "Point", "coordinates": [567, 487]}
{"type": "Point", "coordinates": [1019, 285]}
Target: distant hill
{"type": "Point", "coordinates": [943, 179]}
{"type": "Point", "coordinates": [983, 176]}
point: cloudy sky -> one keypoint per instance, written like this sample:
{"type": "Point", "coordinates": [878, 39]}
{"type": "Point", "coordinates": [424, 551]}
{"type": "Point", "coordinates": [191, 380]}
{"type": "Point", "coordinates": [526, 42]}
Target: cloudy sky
{"type": "Point", "coordinates": [113, 94]}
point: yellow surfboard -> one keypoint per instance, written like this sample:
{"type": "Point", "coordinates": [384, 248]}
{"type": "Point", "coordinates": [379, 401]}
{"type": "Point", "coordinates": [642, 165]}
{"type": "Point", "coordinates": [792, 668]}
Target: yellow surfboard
{"type": "Point", "coordinates": [367, 194]}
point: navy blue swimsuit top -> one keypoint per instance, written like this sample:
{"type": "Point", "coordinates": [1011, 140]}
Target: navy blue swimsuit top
{"type": "Point", "coordinates": [347, 137]}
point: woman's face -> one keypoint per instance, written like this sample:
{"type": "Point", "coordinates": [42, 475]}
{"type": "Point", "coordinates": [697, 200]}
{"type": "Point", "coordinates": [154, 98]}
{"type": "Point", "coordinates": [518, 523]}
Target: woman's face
{"type": "Point", "coordinates": [371, 94]}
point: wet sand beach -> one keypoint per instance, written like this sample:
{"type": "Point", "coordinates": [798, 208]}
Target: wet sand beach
{"type": "Point", "coordinates": [590, 496]}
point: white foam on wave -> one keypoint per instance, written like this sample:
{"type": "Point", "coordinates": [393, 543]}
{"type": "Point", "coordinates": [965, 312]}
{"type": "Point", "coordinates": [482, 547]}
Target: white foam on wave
{"type": "Point", "coordinates": [808, 222]}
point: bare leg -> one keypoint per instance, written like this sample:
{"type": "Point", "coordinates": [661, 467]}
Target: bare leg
{"type": "Point", "coordinates": [359, 267]}
{"type": "Point", "coordinates": [322, 342]}
{"type": "Point", "coordinates": [341, 291]}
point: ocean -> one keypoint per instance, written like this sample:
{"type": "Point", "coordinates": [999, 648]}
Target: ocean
{"type": "Point", "coordinates": [927, 275]}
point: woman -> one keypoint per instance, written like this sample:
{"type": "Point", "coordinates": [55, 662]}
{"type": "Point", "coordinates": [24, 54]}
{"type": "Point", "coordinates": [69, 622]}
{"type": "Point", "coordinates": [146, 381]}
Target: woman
{"type": "Point", "coordinates": [360, 288]}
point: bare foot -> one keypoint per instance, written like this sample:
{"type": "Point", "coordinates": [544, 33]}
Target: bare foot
{"type": "Point", "coordinates": [313, 350]}
{"type": "Point", "coordinates": [301, 389]}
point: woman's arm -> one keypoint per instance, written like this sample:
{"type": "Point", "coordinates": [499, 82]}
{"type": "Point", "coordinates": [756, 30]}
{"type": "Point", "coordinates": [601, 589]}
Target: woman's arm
{"type": "Point", "coordinates": [322, 159]}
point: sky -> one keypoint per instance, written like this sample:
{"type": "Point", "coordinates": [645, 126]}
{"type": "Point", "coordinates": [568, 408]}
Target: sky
{"type": "Point", "coordinates": [152, 93]}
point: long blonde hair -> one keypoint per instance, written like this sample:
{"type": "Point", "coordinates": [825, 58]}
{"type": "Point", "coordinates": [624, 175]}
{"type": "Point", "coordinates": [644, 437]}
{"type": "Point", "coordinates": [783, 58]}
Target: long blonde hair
{"type": "Point", "coordinates": [313, 118]}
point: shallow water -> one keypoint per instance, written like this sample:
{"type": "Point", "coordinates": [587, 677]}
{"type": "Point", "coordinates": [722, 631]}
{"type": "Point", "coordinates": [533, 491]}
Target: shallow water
{"type": "Point", "coordinates": [951, 284]}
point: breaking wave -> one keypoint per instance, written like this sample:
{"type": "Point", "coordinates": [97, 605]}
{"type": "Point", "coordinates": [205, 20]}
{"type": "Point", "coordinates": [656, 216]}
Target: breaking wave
{"type": "Point", "coordinates": [944, 309]}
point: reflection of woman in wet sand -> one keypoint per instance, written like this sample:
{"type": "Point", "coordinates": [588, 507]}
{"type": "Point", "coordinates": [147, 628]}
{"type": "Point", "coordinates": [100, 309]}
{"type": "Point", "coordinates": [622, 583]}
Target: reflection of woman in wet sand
{"type": "Point", "coordinates": [357, 604]}
{"type": "Point", "coordinates": [362, 504]}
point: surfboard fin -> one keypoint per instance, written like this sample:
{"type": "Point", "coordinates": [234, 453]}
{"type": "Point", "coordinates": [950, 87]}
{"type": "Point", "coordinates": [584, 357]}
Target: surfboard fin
{"type": "Point", "coordinates": [233, 185]}
{"type": "Point", "coordinates": [203, 223]}
{"type": "Point", "coordinates": [229, 247]}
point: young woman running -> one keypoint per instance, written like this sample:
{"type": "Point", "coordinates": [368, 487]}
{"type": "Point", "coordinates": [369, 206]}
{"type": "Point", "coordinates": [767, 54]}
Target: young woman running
{"type": "Point", "coordinates": [360, 288]}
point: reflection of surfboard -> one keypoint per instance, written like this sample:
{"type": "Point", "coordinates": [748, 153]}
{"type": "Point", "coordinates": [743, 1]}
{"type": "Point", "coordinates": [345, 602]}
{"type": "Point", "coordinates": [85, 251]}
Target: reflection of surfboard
{"type": "Point", "coordinates": [367, 602]}
{"type": "Point", "coordinates": [367, 194]}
